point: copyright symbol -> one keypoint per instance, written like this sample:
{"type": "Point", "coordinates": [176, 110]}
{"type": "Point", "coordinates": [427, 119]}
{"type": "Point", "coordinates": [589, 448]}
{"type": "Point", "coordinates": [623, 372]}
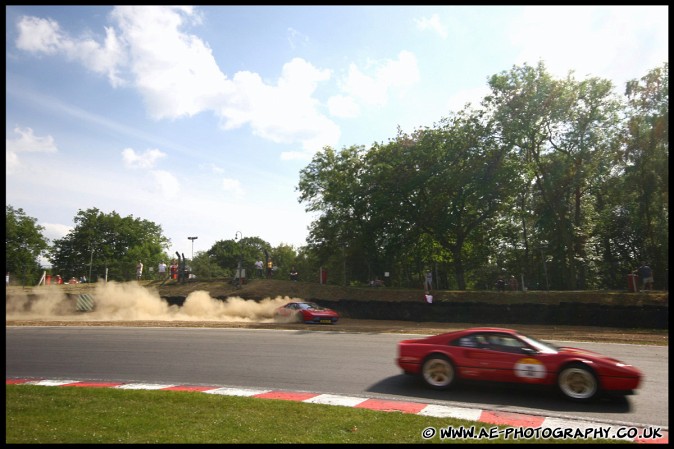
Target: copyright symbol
{"type": "Point", "coordinates": [428, 433]}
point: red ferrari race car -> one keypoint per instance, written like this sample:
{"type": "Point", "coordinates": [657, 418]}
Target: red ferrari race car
{"type": "Point", "coordinates": [305, 312]}
{"type": "Point", "coordinates": [505, 355]}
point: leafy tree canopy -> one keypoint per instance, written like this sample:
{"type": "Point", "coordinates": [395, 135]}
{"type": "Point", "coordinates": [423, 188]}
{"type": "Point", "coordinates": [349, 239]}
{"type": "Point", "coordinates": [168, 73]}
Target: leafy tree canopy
{"type": "Point", "coordinates": [24, 244]}
{"type": "Point", "coordinates": [102, 242]}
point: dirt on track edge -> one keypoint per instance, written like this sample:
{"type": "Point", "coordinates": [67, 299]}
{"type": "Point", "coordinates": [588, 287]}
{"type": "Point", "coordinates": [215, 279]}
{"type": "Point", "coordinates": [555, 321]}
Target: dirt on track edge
{"type": "Point", "coordinates": [562, 333]}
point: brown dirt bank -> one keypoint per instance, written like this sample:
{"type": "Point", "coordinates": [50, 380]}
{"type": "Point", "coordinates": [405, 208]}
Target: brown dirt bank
{"type": "Point", "coordinates": [570, 333]}
{"type": "Point", "coordinates": [264, 288]}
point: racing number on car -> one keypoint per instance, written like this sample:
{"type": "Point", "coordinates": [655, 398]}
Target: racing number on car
{"type": "Point", "coordinates": [529, 369]}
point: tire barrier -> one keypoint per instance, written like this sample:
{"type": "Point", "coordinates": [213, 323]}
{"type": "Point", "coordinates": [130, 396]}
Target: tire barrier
{"type": "Point", "coordinates": [566, 313]}
{"type": "Point", "coordinates": [563, 314]}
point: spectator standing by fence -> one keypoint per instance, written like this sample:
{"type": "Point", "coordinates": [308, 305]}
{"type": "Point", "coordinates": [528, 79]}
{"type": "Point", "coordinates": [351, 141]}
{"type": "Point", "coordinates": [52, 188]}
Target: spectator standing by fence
{"type": "Point", "coordinates": [646, 276]}
{"type": "Point", "coordinates": [428, 285]}
{"type": "Point", "coordinates": [161, 270]}
{"type": "Point", "coordinates": [139, 270]}
{"type": "Point", "coordinates": [513, 283]}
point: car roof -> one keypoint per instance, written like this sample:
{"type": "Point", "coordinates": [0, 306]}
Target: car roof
{"type": "Point", "coordinates": [491, 329]}
{"type": "Point", "coordinates": [471, 330]}
{"type": "Point", "coordinates": [311, 303]}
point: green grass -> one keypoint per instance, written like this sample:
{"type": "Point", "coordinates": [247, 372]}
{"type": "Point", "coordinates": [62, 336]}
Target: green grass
{"type": "Point", "coordinates": [66, 415]}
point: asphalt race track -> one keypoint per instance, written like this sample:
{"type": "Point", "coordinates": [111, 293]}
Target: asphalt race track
{"type": "Point", "coordinates": [334, 363]}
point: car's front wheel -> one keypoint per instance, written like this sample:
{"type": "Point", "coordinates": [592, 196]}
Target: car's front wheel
{"type": "Point", "coordinates": [578, 383]}
{"type": "Point", "coordinates": [438, 372]}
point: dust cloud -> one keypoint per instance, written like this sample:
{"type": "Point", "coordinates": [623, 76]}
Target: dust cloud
{"type": "Point", "coordinates": [131, 302]}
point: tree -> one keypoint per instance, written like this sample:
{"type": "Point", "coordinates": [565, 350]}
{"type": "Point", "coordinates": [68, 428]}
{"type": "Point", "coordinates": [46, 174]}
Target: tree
{"type": "Point", "coordinates": [24, 244]}
{"type": "Point", "coordinates": [639, 201]}
{"type": "Point", "coordinates": [333, 185]}
{"type": "Point", "coordinates": [103, 242]}
{"type": "Point", "coordinates": [442, 184]}
{"type": "Point", "coordinates": [227, 254]}
{"type": "Point", "coordinates": [447, 183]}
{"type": "Point", "coordinates": [204, 266]}
{"type": "Point", "coordinates": [561, 130]}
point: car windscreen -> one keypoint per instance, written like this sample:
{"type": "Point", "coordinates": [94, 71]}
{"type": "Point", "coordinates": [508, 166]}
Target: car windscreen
{"type": "Point", "coordinates": [539, 345]}
{"type": "Point", "coordinates": [309, 305]}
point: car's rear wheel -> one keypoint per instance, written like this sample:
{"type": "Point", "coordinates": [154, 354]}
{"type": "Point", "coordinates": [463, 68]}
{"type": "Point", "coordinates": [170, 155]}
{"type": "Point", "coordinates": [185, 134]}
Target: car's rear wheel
{"type": "Point", "coordinates": [438, 372]}
{"type": "Point", "coordinates": [578, 383]}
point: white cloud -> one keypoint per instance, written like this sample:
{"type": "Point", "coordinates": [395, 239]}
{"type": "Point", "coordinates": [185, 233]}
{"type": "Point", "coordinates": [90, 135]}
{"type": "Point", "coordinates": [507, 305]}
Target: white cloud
{"type": "Point", "coordinates": [400, 73]}
{"type": "Point", "coordinates": [27, 142]}
{"type": "Point", "coordinates": [145, 160]}
{"type": "Point", "coordinates": [168, 185]}
{"type": "Point", "coordinates": [177, 75]}
{"type": "Point", "coordinates": [364, 88]}
{"type": "Point", "coordinates": [165, 183]}
{"type": "Point", "coordinates": [44, 36]}
{"type": "Point", "coordinates": [374, 90]}
{"type": "Point", "coordinates": [55, 231]}
{"type": "Point", "coordinates": [175, 72]}
{"type": "Point", "coordinates": [343, 106]}
{"type": "Point", "coordinates": [591, 40]}
{"type": "Point", "coordinates": [11, 162]}
{"type": "Point", "coordinates": [295, 38]}
{"type": "Point", "coordinates": [285, 113]}
{"type": "Point", "coordinates": [232, 186]}
{"type": "Point", "coordinates": [39, 35]}
{"type": "Point", "coordinates": [432, 23]}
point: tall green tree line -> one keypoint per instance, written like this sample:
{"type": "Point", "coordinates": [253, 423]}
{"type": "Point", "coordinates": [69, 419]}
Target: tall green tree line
{"type": "Point", "coordinates": [108, 246]}
{"type": "Point", "coordinates": [562, 183]}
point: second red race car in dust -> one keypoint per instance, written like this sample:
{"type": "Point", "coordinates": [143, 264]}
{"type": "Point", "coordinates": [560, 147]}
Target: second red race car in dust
{"type": "Point", "coordinates": [305, 312]}
{"type": "Point", "coordinates": [505, 355]}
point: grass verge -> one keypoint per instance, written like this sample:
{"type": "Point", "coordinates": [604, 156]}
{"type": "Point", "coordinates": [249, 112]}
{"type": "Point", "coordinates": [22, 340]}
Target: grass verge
{"type": "Point", "coordinates": [68, 415]}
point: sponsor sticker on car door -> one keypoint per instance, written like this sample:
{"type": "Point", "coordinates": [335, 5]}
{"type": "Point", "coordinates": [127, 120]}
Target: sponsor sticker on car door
{"type": "Point", "coordinates": [529, 369]}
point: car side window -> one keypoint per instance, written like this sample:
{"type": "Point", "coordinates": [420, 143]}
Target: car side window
{"type": "Point", "coordinates": [469, 341]}
{"type": "Point", "coordinates": [505, 343]}
{"type": "Point", "coordinates": [465, 342]}
{"type": "Point", "coordinates": [481, 340]}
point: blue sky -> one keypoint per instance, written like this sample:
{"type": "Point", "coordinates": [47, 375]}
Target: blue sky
{"type": "Point", "coordinates": [200, 118]}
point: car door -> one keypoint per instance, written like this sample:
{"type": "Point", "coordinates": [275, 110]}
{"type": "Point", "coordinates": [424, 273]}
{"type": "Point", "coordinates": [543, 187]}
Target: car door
{"type": "Point", "coordinates": [475, 357]}
{"type": "Point", "coordinates": [502, 357]}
